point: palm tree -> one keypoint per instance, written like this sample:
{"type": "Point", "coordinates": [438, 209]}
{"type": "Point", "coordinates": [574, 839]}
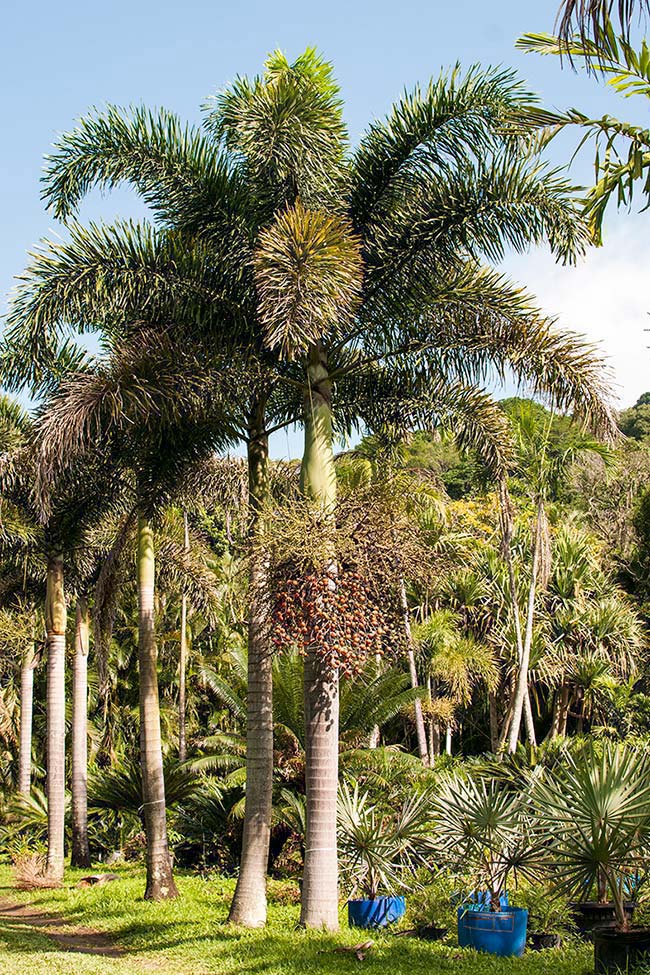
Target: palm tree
{"type": "Point", "coordinates": [428, 317]}
{"type": "Point", "coordinates": [590, 19]}
{"type": "Point", "coordinates": [622, 159]}
{"type": "Point", "coordinates": [103, 415]}
{"type": "Point", "coordinates": [543, 465]}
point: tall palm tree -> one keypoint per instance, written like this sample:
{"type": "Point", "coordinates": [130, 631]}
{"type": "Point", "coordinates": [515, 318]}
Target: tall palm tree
{"type": "Point", "coordinates": [391, 294]}
{"type": "Point", "coordinates": [148, 443]}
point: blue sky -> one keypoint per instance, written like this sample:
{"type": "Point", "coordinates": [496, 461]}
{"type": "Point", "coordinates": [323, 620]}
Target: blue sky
{"type": "Point", "coordinates": [57, 59]}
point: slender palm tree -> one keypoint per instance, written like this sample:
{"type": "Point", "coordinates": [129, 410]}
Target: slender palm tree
{"type": "Point", "coordinates": [390, 291]}
{"type": "Point", "coordinates": [103, 415]}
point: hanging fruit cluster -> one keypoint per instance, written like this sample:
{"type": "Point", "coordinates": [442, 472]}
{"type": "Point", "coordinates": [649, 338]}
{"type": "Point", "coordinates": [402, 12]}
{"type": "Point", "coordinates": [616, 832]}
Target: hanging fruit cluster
{"type": "Point", "coordinates": [336, 616]}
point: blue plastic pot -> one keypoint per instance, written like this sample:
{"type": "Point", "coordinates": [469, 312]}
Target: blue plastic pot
{"type": "Point", "coordinates": [497, 932]}
{"type": "Point", "coordinates": [477, 900]}
{"type": "Point", "coordinates": [375, 913]}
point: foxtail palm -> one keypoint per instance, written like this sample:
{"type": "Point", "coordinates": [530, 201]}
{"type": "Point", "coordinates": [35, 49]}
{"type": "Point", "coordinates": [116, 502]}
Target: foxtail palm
{"type": "Point", "coordinates": [410, 214]}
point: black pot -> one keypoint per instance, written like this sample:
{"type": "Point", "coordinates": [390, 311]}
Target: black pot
{"type": "Point", "coordinates": [543, 940]}
{"type": "Point", "coordinates": [429, 932]}
{"type": "Point", "coordinates": [620, 951]}
{"type": "Point", "coordinates": [589, 915]}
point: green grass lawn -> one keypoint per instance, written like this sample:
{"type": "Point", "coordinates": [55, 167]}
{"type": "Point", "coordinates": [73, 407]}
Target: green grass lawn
{"type": "Point", "coordinates": [190, 937]}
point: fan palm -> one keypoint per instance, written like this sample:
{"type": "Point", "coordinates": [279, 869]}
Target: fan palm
{"type": "Point", "coordinates": [596, 809]}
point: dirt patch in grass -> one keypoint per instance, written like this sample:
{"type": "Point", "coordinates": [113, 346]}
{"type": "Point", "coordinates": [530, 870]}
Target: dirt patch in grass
{"type": "Point", "coordinates": [84, 941]}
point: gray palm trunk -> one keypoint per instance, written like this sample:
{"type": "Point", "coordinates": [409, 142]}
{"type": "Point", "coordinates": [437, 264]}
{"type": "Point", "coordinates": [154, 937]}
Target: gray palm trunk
{"type": "Point", "coordinates": [319, 907]}
{"type": "Point", "coordinates": [160, 880]}
{"type": "Point", "coordinates": [80, 849]}
{"type": "Point", "coordinates": [26, 719]}
{"type": "Point", "coordinates": [55, 625]}
{"type": "Point", "coordinates": [521, 700]}
{"type": "Point", "coordinates": [182, 664]}
{"type": "Point", "coordinates": [420, 729]}
{"type": "Point", "coordinates": [249, 902]}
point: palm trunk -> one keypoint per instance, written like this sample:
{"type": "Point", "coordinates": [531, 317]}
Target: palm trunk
{"type": "Point", "coordinates": [564, 710]}
{"type": "Point", "coordinates": [80, 849]}
{"type": "Point", "coordinates": [530, 721]}
{"type": "Point", "coordinates": [55, 625]}
{"type": "Point", "coordinates": [182, 665]}
{"type": "Point", "coordinates": [319, 907]}
{"type": "Point", "coordinates": [410, 651]}
{"type": "Point", "coordinates": [521, 686]}
{"type": "Point", "coordinates": [249, 903]}
{"type": "Point", "coordinates": [26, 716]}
{"type": "Point", "coordinates": [160, 881]}
{"type": "Point", "coordinates": [494, 721]}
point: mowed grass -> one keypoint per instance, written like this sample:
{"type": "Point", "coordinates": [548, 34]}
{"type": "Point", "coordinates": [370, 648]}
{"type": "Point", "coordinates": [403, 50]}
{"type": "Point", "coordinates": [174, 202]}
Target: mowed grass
{"type": "Point", "coordinates": [190, 936]}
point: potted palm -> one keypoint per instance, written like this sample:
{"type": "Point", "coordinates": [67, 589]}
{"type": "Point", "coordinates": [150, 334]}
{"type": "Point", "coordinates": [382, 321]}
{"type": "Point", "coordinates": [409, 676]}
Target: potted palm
{"type": "Point", "coordinates": [484, 833]}
{"type": "Point", "coordinates": [595, 808]}
{"type": "Point", "coordinates": [381, 846]}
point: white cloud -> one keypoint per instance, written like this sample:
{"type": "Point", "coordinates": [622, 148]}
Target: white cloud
{"type": "Point", "coordinates": [606, 297]}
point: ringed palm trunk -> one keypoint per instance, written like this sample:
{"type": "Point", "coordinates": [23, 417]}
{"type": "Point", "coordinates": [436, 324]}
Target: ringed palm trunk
{"type": "Point", "coordinates": [182, 664]}
{"type": "Point", "coordinates": [160, 881]}
{"type": "Point", "coordinates": [249, 902]}
{"type": "Point", "coordinates": [55, 625]}
{"type": "Point", "coordinates": [319, 907]}
{"type": "Point", "coordinates": [80, 849]}
{"type": "Point", "coordinates": [26, 719]}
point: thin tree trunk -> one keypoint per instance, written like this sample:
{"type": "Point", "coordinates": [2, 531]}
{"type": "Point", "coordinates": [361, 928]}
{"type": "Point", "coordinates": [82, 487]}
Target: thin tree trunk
{"type": "Point", "coordinates": [26, 718]}
{"type": "Point", "coordinates": [55, 625]}
{"type": "Point", "coordinates": [507, 525]}
{"type": "Point", "coordinates": [420, 730]}
{"type": "Point", "coordinates": [521, 685]}
{"type": "Point", "coordinates": [494, 721]}
{"type": "Point", "coordinates": [530, 721]}
{"type": "Point", "coordinates": [80, 848]}
{"type": "Point", "coordinates": [319, 908]}
{"type": "Point", "coordinates": [249, 903]}
{"type": "Point", "coordinates": [563, 710]}
{"type": "Point", "coordinates": [182, 665]}
{"type": "Point", "coordinates": [448, 740]}
{"type": "Point", "coordinates": [375, 735]}
{"type": "Point", "coordinates": [160, 881]}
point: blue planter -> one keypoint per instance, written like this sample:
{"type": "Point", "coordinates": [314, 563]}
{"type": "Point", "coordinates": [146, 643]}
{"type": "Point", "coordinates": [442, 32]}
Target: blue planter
{"type": "Point", "coordinates": [375, 913]}
{"type": "Point", "coordinates": [497, 932]}
{"type": "Point", "coordinates": [477, 900]}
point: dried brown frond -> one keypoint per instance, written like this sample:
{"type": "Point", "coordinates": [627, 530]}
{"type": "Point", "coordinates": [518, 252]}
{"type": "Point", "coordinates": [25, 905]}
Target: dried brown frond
{"type": "Point", "coordinates": [30, 872]}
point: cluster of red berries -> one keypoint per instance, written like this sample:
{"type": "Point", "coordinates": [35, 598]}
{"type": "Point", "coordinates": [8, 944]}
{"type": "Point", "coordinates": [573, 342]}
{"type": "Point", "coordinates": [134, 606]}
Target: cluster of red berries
{"type": "Point", "coordinates": [334, 615]}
